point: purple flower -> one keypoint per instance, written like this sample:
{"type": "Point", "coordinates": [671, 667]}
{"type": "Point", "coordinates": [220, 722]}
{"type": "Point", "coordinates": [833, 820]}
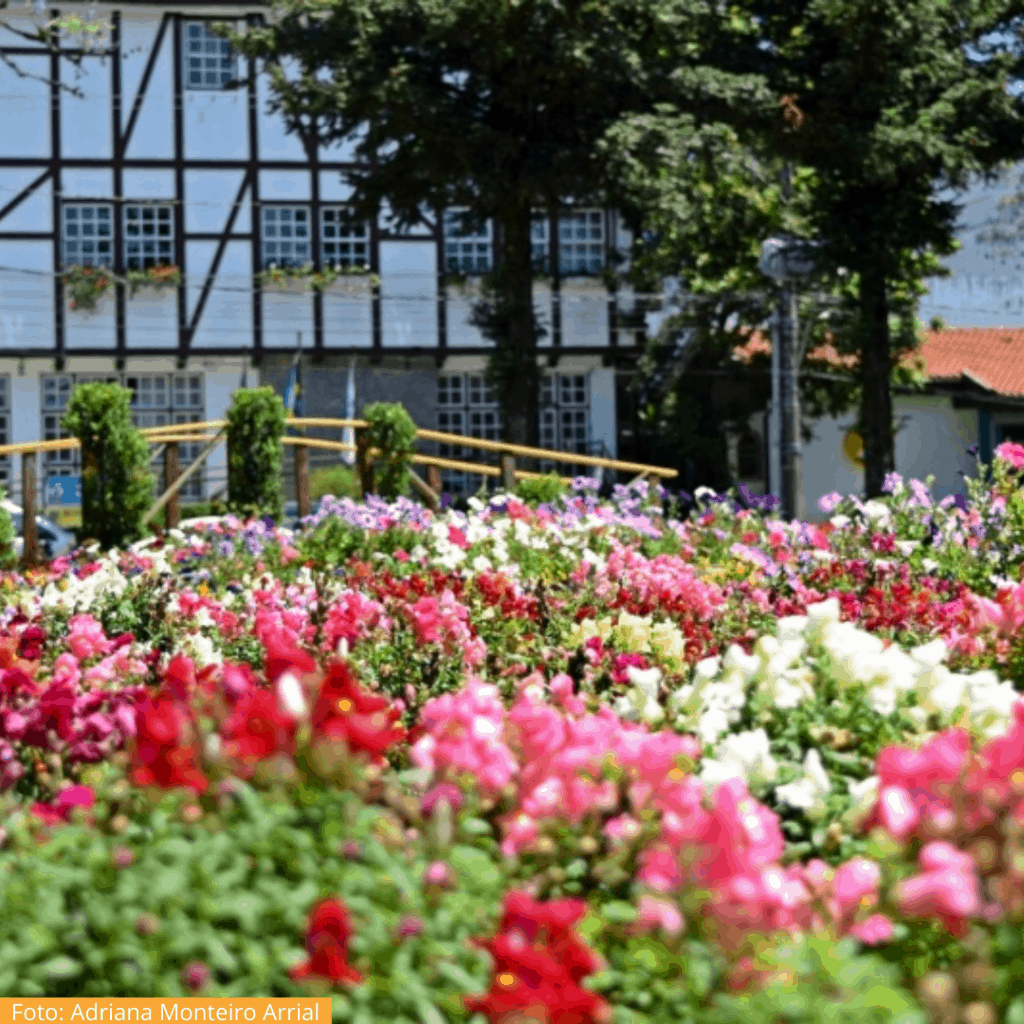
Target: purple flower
{"type": "Point", "coordinates": [829, 502]}
{"type": "Point", "coordinates": [893, 482]}
{"type": "Point", "coordinates": [921, 493]}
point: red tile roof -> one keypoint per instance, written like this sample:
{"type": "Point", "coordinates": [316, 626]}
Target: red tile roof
{"type": "Point", "coordinates": [990, 357]}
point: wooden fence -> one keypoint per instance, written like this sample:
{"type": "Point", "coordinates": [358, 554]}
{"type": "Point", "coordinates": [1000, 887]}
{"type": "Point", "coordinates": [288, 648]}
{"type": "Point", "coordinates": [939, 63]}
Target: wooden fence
{"type": "Point", "coordinates": [214, 433]}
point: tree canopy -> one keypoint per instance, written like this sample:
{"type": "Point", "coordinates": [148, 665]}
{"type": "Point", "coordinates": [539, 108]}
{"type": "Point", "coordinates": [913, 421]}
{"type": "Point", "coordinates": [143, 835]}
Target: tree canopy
{"type": "Point", "coordinates": [497, 106]}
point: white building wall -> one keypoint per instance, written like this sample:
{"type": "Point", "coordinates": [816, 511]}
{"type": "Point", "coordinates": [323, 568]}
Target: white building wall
{"type": "Point", "coordinates": [153, 133]}
{"type": "Point", "coordinates": [603, 419]}
{"type": "Point", "coordinates": [25, 110]}
{"type": "Point", "coordinates": [408, 274]}
{"type": "Point", "coordinates": [932, 439]}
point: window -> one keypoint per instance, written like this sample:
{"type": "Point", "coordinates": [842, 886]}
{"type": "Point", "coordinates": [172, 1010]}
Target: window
{"type": "Point", "coordinates": [285, 236]}
{"type": "Point", "coordinates": [466, 406]}
{"type": "Point", "coordinates": [148, 236]}
{"type": "Point", "coordinates": [157, 399]}
{"type": "Point", "coordinates": [539, 243]}
{"type": "Point", "coordinates": [748, 457]}
{"type": "Point", "coordinates": [564, 418]}
{"type": "Point", "coordinates": [209, 62]}
{"type": "Point", "coordinates": [56, 390]}
{"type": "Point", "coordinates": [581, 242]}
{"type": "Point", "coordinates": [466, 251]}
{"type": "Point", "coordinates": [343, 240]}
{"type": "Point", "coordinates": [87, 238]}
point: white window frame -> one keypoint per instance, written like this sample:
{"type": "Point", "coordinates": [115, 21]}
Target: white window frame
{"type": "Point", "coordinates": [466, 405]}
{"type": "Point", "coordinates": [217, 63]}
{"type": "Point", "coordinates": [182, 400]}
{"type": "Point", "coordinates": [83, 242]}
{"type": "Point", "coordinates": [284, 234]}
{"type": "Point", "coordinates": [148, 235]}
{"type": "Point", "coordinates": [564, 417]}
{"type": "Point", "coordinates": [344, 241]}
{"type": "Point", "coordinates": [581, 242]}
{"type": "Point", "coordinates": [467, 252]}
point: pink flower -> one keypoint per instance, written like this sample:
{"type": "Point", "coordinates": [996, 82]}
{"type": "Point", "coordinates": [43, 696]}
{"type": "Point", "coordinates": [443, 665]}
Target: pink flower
{"type": "Point", "coordinates": [659, 869]}
{"type": "Point", "coordinates": [520, 832]}
{"type": "Point", "coordinates": [86, 637]}
{"type": "Point", "coordinates": [855, 884]}
{"type": "Point", "coordinates": [875, 931]}
{"type": "Point", "coordinates": [948, 888]}
{"type": "Point", "coordinates": [439, 873]}
{"type": "Point", "coordinates": [1012, 453]}
{"type": "Point", "coordinates": [654, 912]}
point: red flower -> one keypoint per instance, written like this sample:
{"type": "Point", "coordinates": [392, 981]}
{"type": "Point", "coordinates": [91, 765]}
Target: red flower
{"type": "Point", "coordinates": [283, 654]}
{"type": "Point", "coordinates": [327, 938]}
{"type": "Point", "coordinates": [180, 678]}
{"type": "Point", "coordinates": [30, 643]}
{"type": "Point", "coordinates": [258, 729]}
{"type": "Point", "coordinates": [344, 710]}
{"type": "Point", "coordinates": [69, 799]}
{"type": "Point", "coordinates": [539, 963]}
{"type": "Point", "coordinates": [160, 755]}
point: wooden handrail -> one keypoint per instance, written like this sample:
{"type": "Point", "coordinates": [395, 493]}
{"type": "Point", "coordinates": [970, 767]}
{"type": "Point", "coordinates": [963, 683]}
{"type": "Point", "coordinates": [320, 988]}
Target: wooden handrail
{"type": "Point", "coordinates": [441, 437]}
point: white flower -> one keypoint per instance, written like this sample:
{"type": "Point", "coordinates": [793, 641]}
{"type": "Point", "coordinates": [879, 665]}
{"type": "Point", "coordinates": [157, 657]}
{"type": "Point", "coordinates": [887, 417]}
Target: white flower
{"type": "Point", "coordinates": [908, 547]}
{"type": "Point", "coordinates": [807, 793]}
{"type": "Point", "coordinates": [735, 661]}
{"type": "Point", "coordinates": [788, 689]}
{"type": "Point", "coordinates": [864, 795]}
{"type": "Point", "coordinates": [930, 655]}
{"type": "Point", "coordinates": [481, 563]}
{"type": "Point", "coordinates": [203, 651]}
{"type": "Point", "coordinates": [790, 629]}
{"type": "Point", "coordinates": [929, 565]}
{"type": "Point", "coordinates": [644, 695]}
{"type": "Point", "coordinates": [289, 693]}
{"type": "Point", "coordinates": [875, 511]}
{"type": "Point", "coordinates": [742, 755]}
{"type": "Point", "coordinates": [342, 649]}
{"type": "Point", "coordinates": [840, 522]}
{"type": "Point", "coordinates": [706, 669]}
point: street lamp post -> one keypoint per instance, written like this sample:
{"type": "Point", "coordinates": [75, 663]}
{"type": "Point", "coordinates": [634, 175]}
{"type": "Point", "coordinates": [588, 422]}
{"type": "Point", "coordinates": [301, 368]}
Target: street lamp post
{"type": "Point", "coordinates": [785, 259]}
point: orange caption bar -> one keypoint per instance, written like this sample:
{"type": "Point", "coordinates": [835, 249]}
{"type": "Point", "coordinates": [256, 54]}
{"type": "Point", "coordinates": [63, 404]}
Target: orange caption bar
{"type": "Point", "coordinates": [27, 1010]}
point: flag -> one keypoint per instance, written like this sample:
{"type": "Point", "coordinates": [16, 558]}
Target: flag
{"type": "Point", "coordinates": [293, 388]}
{"type": "Point", "coordinates": [349, 435]}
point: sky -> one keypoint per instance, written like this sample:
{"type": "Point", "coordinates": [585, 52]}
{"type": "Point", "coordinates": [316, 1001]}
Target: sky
{"type": "Point", "coordinates": [985, 288]}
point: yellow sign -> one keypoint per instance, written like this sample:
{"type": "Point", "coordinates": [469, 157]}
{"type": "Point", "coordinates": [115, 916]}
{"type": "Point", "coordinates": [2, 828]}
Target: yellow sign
{"type": "Point", "coordinates": [28, 1010]}
{"type": "Point", "coordinates": [853, 448]}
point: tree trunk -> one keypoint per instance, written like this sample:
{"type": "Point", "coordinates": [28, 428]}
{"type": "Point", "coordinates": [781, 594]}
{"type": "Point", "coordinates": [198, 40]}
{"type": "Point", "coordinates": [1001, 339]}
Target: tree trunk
{"type": "Point", "coordinates": [506, 316]}
{"type": "Point", "coordinates": [876, 373]}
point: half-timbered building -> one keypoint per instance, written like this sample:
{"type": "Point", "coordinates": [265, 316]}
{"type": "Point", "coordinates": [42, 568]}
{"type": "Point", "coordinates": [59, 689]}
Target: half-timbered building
{"type": "Point", "coordinates": [154, 147]}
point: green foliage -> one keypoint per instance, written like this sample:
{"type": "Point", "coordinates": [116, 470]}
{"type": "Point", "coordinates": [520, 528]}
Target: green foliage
{"type": "Point", "coordinates": [335, 541]}
{"type": "Point", "coordinates": [120, 911]}
{"type": "Point", "coordinates": [255, 424]}
{"type": "Point", "coordinates": [7, 534]}
{"type": "Point", "coordinates": [817, 980]}
{"type": "Point", "coordinates": [393, 431]}
{"type": "Point", "coordinates": [545, 489]}
{"type": "Point", "coordinates": [338, 481]}
{"type": "Point", "coordinates": [117, 487]}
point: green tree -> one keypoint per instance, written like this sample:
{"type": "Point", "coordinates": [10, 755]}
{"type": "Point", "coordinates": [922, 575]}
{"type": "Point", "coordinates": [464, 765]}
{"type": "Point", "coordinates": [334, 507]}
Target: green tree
{"type": "Point", "coordinates": [890, 103]}
{"type": "Point", "coordinates": [491, 105]}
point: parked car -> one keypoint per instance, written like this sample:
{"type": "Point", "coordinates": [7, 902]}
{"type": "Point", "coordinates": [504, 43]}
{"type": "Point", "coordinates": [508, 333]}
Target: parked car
{"type": "Point", "coordinates": [54, 540]}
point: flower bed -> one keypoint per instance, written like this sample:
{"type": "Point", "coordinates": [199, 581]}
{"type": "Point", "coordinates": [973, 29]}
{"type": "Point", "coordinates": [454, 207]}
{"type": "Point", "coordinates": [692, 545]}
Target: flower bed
{"type": "Point", "coordinates": [584, 762]}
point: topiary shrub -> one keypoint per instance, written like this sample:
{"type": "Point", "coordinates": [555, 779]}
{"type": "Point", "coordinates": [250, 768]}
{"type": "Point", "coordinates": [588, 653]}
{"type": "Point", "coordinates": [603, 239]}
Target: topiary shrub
{"type": "Point", "coordinates": [255, 424]}
{"type": "Point", "coordinates": [8, 556]}
{"type": "Point", "coordinates": [393, 431]}
{"type": "Point", "coordinates": [117, 486]}
{"type": "Point", "coordinates": [541, 490]}
{"type": "Point", "coordinates": [337, 481]}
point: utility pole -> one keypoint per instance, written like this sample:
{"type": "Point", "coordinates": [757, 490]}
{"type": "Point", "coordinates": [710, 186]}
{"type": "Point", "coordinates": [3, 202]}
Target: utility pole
{"type": "Point", "coordinates": [789, 394]}
{"type": "Point", "coordinates": [785, 259]}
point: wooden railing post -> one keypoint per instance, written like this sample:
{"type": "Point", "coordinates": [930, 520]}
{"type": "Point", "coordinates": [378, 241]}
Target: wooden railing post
{"type": "Point", "coordinates": [434, 478]}
{"type": "Point", "coordinates": [364, 463]}
{"type": "Point", "coordinates": [302, 479]}
{"type": "Point", "coordinates": [30, 535]}
{"type": "Point", "coordinates": [170, 476]}
{"type": "Point", "coordinates": [508, 472]}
